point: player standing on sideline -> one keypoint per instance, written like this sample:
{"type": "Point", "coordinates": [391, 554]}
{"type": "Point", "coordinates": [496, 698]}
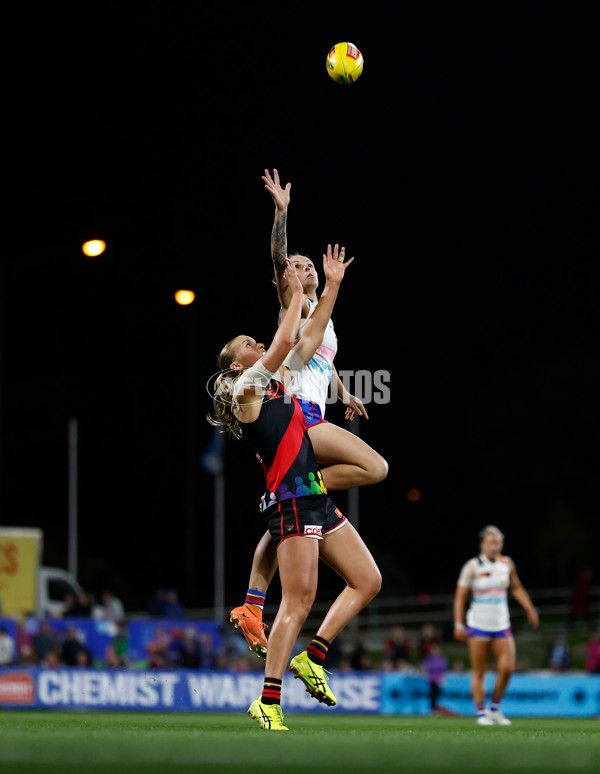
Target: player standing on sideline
{"type": "Point", "coordinates": [303, 521]}
{"type": "Point", "coordinates": [350, 461]}
{"type": "Point", "coordinates": [488, 577]}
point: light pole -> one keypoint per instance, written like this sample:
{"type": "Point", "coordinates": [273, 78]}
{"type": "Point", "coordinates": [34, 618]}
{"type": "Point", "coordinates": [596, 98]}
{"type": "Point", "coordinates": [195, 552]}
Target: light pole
{"type": "Point", "coordinates": [73, 486]}
{"type": "Point", "coordinates": [1, 372]}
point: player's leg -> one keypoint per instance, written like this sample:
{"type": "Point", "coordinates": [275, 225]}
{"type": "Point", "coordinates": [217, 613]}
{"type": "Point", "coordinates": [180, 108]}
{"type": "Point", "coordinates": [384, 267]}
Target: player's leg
{"type": "Point", "coordinates": [298, 573]}
{"type": "Point", "coordinates": [344, 551]}
{"type": "Point", "coordinates": [504, 651]}
{"type": "Point", "coordinates": [264, 563]}
{"type": "Point", "coordinates": [434, 696]}
{"type": "Point", "coordinates": [248, 617]}
{"type": "Point", "coordinates": [350, 461]}
{"type": "Point", "coordinates": [478, 655]}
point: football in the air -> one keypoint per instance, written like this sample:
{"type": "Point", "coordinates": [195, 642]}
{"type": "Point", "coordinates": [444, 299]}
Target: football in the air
{"type": "Point", "coordinates": [344, 63]}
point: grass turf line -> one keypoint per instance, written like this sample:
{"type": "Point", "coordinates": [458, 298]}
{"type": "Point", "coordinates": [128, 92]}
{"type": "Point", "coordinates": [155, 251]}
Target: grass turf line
{"type": "Point", "coordinates": [34, 742]}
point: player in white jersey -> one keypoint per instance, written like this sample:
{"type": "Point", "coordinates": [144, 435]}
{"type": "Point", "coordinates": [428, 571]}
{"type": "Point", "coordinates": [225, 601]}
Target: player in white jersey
{"type": "Point", "coordinates": [346, 459]}
{"type": "Point", "coordinates": [311, 385]}
{"type": "Point", "coordinates": [487, 578]}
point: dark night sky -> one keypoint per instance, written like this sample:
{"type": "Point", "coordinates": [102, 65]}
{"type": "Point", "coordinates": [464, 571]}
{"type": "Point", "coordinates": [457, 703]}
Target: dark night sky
{"type": "Point", "coordinates": [461, 171]}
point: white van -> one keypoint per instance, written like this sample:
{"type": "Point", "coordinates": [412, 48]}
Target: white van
{"type": "Point", "coordinates": [53, 586]}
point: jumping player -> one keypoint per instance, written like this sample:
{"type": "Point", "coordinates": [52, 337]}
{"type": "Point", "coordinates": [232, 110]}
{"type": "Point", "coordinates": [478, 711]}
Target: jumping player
{"type": "Point", "coordinates": [488, 577]}
{"type": "Point", "coordinates": [303, 521]}
{"type": "Point", "coordinates": [349, 460]}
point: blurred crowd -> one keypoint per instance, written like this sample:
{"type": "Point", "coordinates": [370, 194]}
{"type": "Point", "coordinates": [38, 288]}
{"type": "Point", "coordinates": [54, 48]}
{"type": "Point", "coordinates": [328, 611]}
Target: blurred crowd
{"type": "Point", "coordinates": [425, 650]}
{"type": "Point", "coordinates": [183, 646]}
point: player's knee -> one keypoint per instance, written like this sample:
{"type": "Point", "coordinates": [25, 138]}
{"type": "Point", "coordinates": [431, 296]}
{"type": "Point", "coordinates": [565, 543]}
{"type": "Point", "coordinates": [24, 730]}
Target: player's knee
{"type": "Point", "coordinates": [506, 669]}
{"type": "Point", "coordinates": [377, 470]}
{"type": "Point", "coordinates": [381, 469]}
{"type": "Point", "coordinates": [299, 604]}
{"type": "Point", "coordinates": [372, 583]}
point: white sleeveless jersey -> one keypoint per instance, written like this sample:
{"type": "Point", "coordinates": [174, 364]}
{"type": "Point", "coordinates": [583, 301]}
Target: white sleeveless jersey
{"type": "Point", "coordinates": [489, 583]}
{"type": "Point", "coordinates": [312, 383]}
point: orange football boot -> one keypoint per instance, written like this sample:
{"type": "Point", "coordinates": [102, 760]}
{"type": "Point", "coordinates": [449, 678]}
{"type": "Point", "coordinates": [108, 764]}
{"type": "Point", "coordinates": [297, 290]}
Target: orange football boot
{"type": "Point", "coordinates": [252, 627]}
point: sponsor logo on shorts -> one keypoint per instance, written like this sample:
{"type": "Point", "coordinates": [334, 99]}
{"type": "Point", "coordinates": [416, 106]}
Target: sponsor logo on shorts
{"type": "Point", "coordinates": [339, 514]}
{"type": "Point", "coordinates": [313, 529]}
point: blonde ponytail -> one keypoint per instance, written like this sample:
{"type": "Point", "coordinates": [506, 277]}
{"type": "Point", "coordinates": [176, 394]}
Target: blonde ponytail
{"type": "Point", "coordinates": [223, 406]}
{"type": "Point", "coordinates": [223, 397]}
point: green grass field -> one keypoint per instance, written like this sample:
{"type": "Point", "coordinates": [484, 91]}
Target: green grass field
{"type": "Point", "coordinates": [36, 742]}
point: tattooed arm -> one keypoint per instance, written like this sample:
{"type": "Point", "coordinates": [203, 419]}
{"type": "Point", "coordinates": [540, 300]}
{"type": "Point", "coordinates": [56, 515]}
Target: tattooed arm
{"type": "Point", "coordinates": [281, 197]}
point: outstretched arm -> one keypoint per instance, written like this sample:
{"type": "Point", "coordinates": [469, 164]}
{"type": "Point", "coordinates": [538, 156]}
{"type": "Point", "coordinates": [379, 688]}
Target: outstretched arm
{"type": "Point", "coordinates": [286, 334]}
{"type": "Point", "coordinates": [255, 379]}
{"type": "Point", "coordinates": [281, 198]}
{"type": "Point", "coordinates": [312, 335]}
{"type": "Point", "coordinates": [522, 597]}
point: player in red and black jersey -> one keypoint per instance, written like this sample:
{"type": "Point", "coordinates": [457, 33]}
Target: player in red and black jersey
{"type": "Point", "coordinates": [301, 517]}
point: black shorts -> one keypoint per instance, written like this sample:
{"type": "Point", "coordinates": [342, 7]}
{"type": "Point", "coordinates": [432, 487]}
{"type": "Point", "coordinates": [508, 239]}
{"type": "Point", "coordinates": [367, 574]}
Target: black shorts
{"type": "Point", "coordinates": [310, 516]}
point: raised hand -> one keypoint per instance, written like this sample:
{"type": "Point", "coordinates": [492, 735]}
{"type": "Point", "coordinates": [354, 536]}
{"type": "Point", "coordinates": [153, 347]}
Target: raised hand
{"type": "Point", "coordinates": [290, 275]}
{"type": "Point", "coordinates": [281, 196]}
{"type": "Point", "coordinates": [334, 263]}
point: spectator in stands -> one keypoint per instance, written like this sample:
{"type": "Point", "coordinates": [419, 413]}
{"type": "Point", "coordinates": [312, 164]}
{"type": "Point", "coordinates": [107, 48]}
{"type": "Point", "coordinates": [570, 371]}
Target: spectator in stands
{"type": "Point", "coordinates": [360, 658]}
{"type": "Point", "coordinates": [52, 660]}
{"type": "Point", "coordinates": [73, 652]}
{"type": "Point", "coordinates": [582, 598]}
{"type": "Point", "coordinates": [78, 606]}
{"type": "Point", "coordinates": [86, 603]}
{"type": "Point", "coordinates": [427, 640]}
{"type": "Point", "coordinates": [158, 649]}
{"type": "Point", "coordinates": [397, 649]}
{"type": "Point", "coordinates": [83, 658]}
{"type": "Point", "coordinates": [435, 665]}
{"type": "Point", "coordinates": [110, 608]}
{"type": "Point", "coordinates": [156, 603]}
{"type": "Point", "coordinates": [240, 664]}
{"type": "Point", "coordinates": [592, 653]}
{"type": "Point", "coordinates": [45, 644]}
{"type": "Point", "coordinates": [343, 665]}
{"type": "Point", "coordinates": [7, 647]}
{"type": "Point", "coordinates": [189, 650]}
{"type": "Point", "coordinates": [560, 655]}
{"type": "Point", "coordinates": [173, 607]}
{"type": "Point", "coordinates": [70, 606]}
{"type": "Point", "coordinates": [117, 653]}
{"type": "Point", "coordinates": [208, 651]}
